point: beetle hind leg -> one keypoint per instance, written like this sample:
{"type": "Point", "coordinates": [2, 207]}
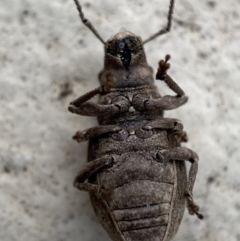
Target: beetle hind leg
{"type": "Point", "coordinates": [81, 180]}
{"type": "Point", "coordinates": [192, 207]}
{"type": "Point", "coordinates": [182, 154]}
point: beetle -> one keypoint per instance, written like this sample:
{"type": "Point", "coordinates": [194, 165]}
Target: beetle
{"type": "Point", "coordinates": [136, 173]}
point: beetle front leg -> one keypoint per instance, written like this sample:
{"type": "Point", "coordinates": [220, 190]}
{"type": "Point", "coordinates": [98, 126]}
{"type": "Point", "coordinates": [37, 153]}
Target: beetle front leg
{"type": "Point", "coordinates": [89, 169]}
{"type": "Point", "coordinates": [81, 105]}
{"type": "Point", "coordinates": [119, 104]}
{"type": "Point", "coordinates": [163, 66]}
{"type": "Point", "coordinates": [103, 89]}
{"type": "Point", "coordinates": [143, 102]}
{"type": "Point", "coordinates": [182, 154]}
{"type": "Point", "coordinates": [166, 102]}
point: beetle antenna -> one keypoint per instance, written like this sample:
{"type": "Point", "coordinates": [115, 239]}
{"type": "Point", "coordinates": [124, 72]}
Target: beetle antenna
{"type": "Point", "coordinates": [87, 22]}
{"type": "Point", "coordinates": [169, 24]}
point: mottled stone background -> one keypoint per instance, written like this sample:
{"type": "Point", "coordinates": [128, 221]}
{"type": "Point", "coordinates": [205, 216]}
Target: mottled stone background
{"type": "Point", "coordinates": [48, 58]}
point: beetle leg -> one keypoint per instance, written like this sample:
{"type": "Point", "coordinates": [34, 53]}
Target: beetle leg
{"type": "Point", "coordinates": [142, 102]}
{"type": "Point", "coordinates": [89, 169]}
{"type": "Point", "coordinates": [82, 99]}
{"type": "Point", "coordinates": [109, 81]}
{"type": "Point", "coordinates": [93, 132]}
{"type": "Point", "coordinates": [163, 66]}
{"type": "Point", "coordinates": [182, 154]}
{"type": "Point", "coordinates": [119, 104]}
{"type": "Point", "coordinates": [93, 109]}
{"type": "Point", "coordinates": [181, 136]}
{"type": "Point", "coordinates": [168, 123]}
{"type": "Point", "coordinates": [81, 105]}
{"type": "Point", "coordinates": [165, 123]}
{"type": "Point", "coordinates": [103, 89]}
{"type": "Point", "coordinates": [166, 102]}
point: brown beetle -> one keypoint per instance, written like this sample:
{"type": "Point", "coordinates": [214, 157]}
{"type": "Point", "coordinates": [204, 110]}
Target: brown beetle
{"type": "Point", "coordinates": [136, 172]}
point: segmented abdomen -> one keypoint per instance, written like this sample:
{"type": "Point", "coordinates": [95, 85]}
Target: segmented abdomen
{"type": "Point", "coordinates": [138, 196]}
{"type": "Point", "coordinates": [140, 209]}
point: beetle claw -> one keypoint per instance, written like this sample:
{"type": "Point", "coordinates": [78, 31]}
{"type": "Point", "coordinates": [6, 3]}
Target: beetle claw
{"type": "Point", "coordinates": [80, 137]}
{"type": "Point", "coordinates": [193, 208]}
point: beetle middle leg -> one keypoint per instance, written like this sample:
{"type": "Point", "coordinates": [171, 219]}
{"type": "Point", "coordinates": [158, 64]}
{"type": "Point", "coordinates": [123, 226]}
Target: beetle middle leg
{"type": "Point", "coordinates": [182, 154]}
{"type": "Point", "coordinates": [169, 123]}
{"type": "Point", "coordinates": [164, 123]}
{"type": "Point", "coordinates": [94, 132]}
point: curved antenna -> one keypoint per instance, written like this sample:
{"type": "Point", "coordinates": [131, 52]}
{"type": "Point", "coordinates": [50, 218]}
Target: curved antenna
{"type": "Point", "coordinates": [87, 22]}
{"type": "Point", "coordinates": [169, 24]}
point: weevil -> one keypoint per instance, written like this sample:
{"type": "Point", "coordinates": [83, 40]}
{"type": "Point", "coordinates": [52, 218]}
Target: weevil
{"type": "Point", "coordinates": [136, 173]}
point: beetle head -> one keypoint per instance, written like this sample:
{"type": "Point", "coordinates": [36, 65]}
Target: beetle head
{"type": "Point", "coordinates": [125, 49]}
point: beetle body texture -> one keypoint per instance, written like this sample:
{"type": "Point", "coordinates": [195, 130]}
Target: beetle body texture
{"type": "Point", "coordinates": [141, 198]}
{"type": "Point", "coordinates": [136, 172]}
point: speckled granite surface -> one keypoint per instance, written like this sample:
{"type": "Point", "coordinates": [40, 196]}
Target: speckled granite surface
{"type": "Point", "coordinates": [48, 58]}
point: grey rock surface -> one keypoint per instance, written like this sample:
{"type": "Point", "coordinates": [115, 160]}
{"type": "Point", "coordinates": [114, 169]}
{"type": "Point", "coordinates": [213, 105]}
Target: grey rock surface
{"type": "Point", "coordinates": [48, 58]}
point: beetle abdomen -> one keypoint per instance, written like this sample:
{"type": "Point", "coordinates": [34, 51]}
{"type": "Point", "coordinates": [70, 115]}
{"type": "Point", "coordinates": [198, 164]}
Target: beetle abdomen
{"type": "Point", "coordinates": [138, 194]}
{"type": "Point", "coordinates": [141, 209]}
